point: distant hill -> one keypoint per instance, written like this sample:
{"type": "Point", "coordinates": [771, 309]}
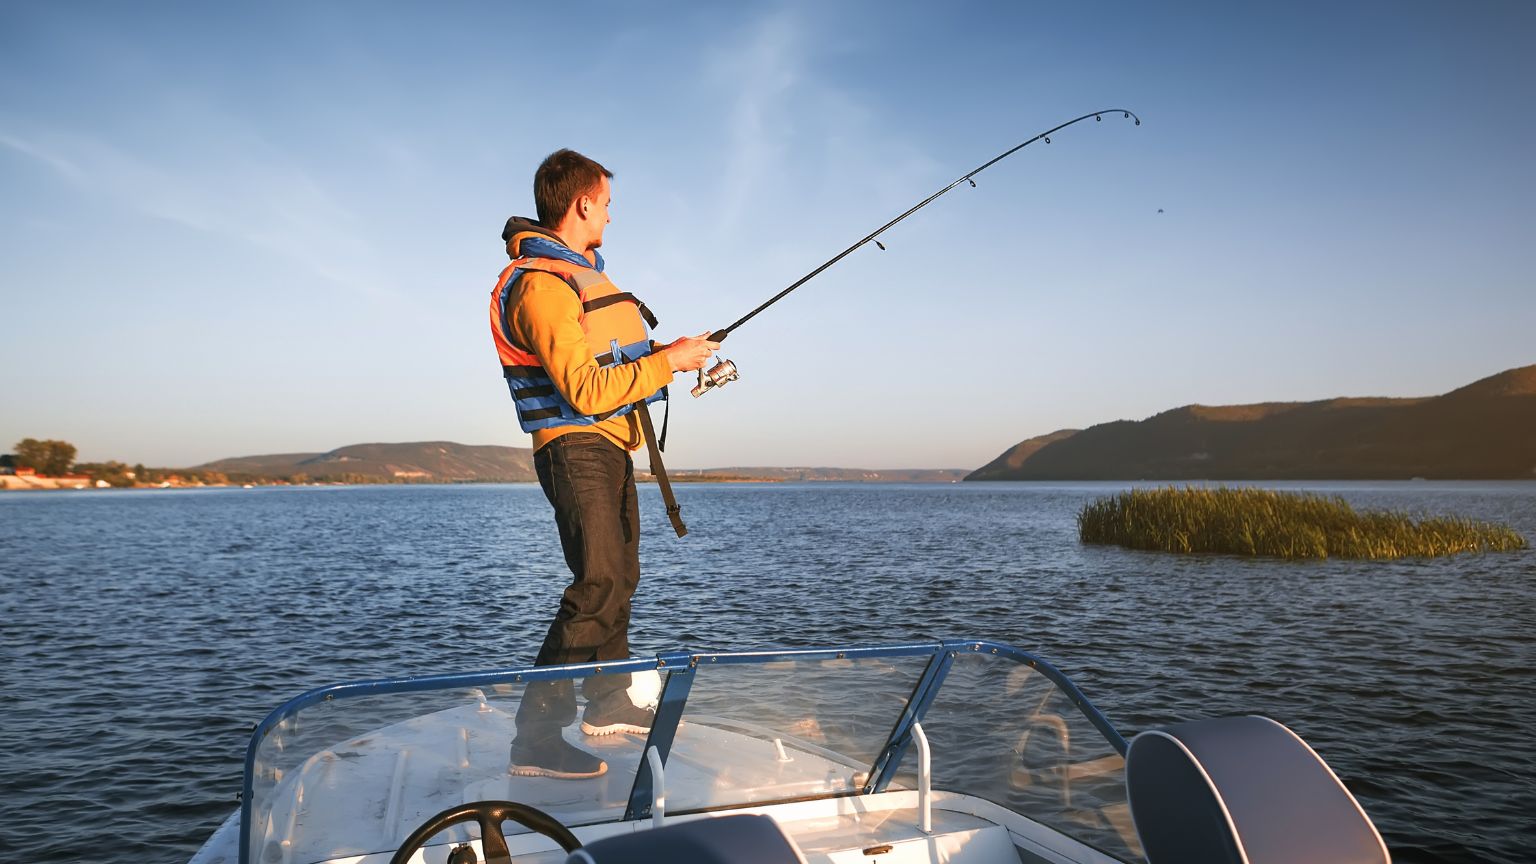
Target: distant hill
{"type": "Point", "coordinates": [1014, 457]}
{"type": "Point", "coordinates": [447, 462]}
{"type": "Point", "coordinates": [1485, 430]}
{"type": "Point", "coordinates": [420, 462]}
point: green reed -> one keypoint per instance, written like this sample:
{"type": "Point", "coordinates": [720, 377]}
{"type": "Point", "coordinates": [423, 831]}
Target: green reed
{"type": "Point", "coordinates": [1265, 522]}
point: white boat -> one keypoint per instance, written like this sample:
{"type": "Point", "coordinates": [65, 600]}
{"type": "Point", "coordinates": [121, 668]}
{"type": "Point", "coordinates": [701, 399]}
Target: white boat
{"type": "Point", "coordinates": [953, 751]}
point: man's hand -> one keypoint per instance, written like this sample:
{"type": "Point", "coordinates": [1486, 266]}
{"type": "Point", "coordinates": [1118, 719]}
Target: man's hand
{"type": "Point", "coordinates": [690, 352]}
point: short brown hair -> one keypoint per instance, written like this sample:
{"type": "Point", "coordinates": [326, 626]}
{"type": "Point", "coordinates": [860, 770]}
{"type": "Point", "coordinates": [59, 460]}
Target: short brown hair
{"type": "Point", "coordinates": [564, 176]}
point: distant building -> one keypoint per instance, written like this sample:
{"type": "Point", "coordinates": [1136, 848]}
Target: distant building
{"type": "Point", "coordinates": [7, 463]}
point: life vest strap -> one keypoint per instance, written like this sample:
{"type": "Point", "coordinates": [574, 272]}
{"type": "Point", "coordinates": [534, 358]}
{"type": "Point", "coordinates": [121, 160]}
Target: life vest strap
{"type": "Point", "coordinates": [604, 359]}
{"type": "Point", "coordinates": [622, 297]}
{"type": "Point", "coordinates": [534, 392]}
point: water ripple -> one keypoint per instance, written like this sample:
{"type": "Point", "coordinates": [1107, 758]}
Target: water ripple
{"type": "Point", "coordinates": [144, 630]}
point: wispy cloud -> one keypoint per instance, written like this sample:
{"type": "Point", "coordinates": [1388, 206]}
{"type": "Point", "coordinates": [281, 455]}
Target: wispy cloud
{"type": "Point", "coordinates": [790, 122]}
{"type": "Point", "coordinates": [760, 71]}
{"type": "Point", "coordinates": [64, 167]}
{"type": "Point", "coordinates": [263, 201]}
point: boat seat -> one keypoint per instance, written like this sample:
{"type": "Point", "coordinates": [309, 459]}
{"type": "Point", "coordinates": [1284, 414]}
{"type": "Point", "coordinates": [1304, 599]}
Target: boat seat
{"type": "Point", "coordinates": [1242, 790]}
{"type": "Point", "coordinates": [739, 839]}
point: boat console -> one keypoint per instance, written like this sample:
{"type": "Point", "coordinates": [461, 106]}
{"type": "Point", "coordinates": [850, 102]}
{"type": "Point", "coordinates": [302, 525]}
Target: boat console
{"type": "Point", "coordinates": [731, 839]}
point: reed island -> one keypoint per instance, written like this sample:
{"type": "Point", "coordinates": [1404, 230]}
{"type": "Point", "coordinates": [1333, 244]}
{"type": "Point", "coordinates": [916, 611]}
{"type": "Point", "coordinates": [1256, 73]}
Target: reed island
{"type": "Point", "coordinates": [1278, 524]}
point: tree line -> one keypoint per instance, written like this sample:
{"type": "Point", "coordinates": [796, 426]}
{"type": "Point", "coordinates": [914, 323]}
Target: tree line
{"type": "Point", "coordinates": [50, 458]}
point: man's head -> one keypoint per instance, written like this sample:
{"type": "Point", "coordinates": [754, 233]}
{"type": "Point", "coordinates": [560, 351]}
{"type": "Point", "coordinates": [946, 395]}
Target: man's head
{"type": "Point", "coordinates": [572, 193]}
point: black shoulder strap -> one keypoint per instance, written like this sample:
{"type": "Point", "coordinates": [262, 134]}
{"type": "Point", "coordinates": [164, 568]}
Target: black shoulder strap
{"type": "Point", "coordinates": [659, 471]}
{"type": "Point", "coordinates": [622, 297]}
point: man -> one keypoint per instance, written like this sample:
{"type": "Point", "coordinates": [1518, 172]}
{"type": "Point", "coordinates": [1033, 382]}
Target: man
{"type": "Point", "coordinates": [578, 358]}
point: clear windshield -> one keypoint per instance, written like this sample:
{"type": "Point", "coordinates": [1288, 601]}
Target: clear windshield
{"type": "Point", "coordinates": [356, 773]}
{"type": "Point", "coordinates": [788, 729]}
{"type": "Point", "coordinates": [1002, 730]}
{"type": "Point", "coordinates": [354, 769]}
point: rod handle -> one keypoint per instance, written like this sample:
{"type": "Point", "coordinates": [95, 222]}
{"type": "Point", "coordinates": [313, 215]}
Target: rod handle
{"type": "Point", "coordinates": [719, 335]}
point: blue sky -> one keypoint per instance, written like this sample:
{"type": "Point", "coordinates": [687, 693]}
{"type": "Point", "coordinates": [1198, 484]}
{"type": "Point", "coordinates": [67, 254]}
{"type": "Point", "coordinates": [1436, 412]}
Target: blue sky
{"type": "Point", "coordinates": [274, 227]}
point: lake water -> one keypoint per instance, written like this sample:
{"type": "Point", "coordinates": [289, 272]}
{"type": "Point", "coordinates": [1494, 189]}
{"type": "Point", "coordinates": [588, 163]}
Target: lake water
{"type": "Point", "coordinates": [143, 633]}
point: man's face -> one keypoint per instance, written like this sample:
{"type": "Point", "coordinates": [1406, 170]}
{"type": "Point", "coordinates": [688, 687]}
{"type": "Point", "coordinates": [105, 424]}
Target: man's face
{"type": "Point", "coordinates": [596, 215]}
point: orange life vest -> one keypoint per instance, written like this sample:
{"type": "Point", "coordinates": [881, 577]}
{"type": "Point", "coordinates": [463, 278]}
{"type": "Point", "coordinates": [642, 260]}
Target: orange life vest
{"type": "Point", "coordinates": [617, 325]}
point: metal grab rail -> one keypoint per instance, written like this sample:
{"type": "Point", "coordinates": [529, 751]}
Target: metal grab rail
{"type": "Point", "coordinates": [658, 787]}
{"type": "Point", "coordinates": [924, 781]}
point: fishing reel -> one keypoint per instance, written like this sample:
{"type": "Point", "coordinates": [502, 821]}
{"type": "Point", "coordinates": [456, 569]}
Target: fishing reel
{"type": "Point", "coordinates": [719, 375]}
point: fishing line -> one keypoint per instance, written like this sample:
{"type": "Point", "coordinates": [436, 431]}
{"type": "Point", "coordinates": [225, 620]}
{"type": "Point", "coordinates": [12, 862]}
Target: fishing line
{"type": "Point", "coordinates": [725, 371]}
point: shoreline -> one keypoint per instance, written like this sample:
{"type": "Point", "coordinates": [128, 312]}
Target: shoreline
{"type": "Point", "coordinates": [22, 483]}
{"type": "Point", "coordinates": [55, 484]}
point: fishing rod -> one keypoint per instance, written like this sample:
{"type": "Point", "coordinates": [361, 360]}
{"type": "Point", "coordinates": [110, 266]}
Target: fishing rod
{"type": "Point", "coordinates": [725, 372]}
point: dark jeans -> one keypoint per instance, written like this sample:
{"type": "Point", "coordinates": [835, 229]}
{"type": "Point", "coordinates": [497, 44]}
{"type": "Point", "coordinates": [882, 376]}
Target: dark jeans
{"type": "Point", "coordinates": [591, 483]}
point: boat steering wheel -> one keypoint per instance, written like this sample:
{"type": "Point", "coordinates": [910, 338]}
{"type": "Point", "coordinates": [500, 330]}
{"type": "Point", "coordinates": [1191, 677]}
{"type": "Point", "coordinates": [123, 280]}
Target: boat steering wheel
{"type": "Point", "coordinates": [490, 815]}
